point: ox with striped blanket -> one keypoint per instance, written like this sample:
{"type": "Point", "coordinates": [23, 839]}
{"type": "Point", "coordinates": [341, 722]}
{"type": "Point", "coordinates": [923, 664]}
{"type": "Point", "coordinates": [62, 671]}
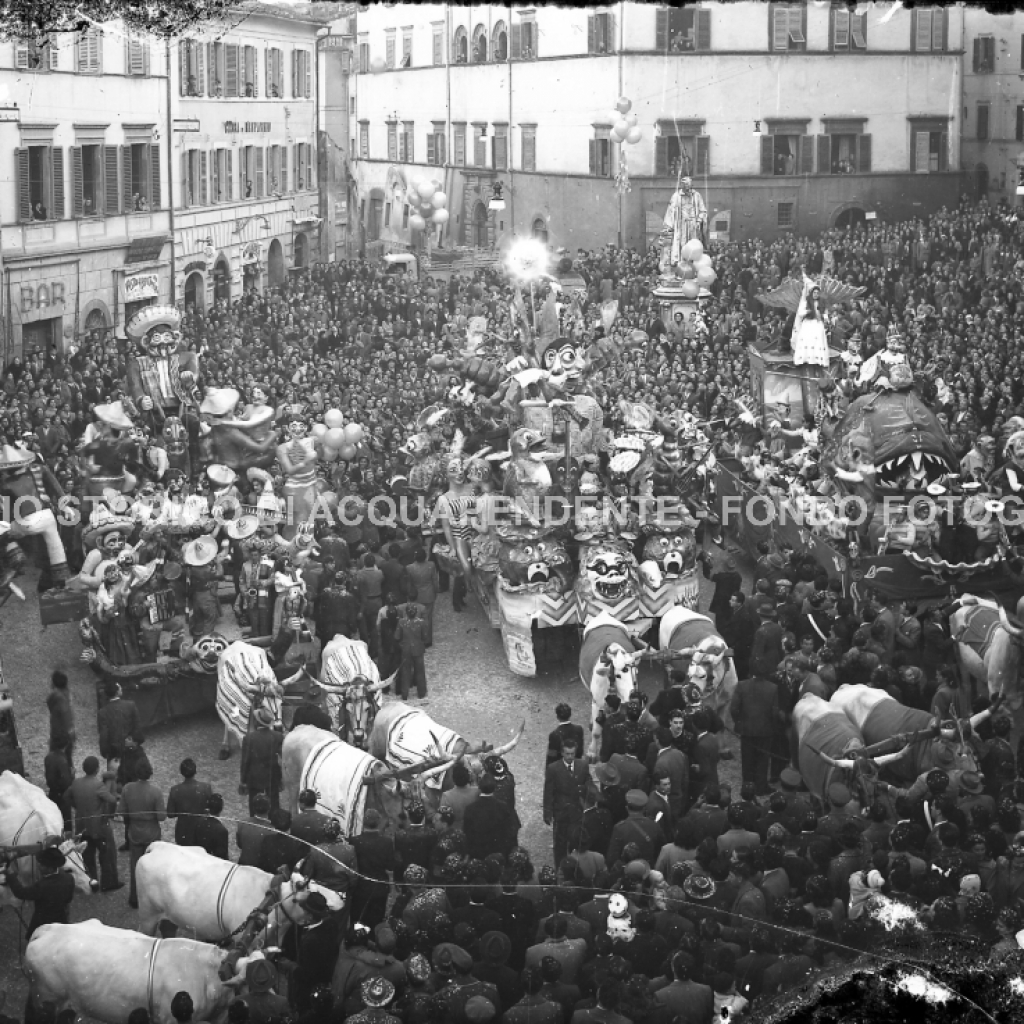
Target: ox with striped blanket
{"type": "Point", "coordinates": [352, 708]}
{"type": "Point", "coordinates": [243, 676]}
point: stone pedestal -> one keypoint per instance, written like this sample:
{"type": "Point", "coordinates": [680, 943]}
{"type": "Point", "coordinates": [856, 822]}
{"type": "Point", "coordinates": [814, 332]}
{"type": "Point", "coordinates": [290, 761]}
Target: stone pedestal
{"type": "Point", "coordinates": [671, 299]}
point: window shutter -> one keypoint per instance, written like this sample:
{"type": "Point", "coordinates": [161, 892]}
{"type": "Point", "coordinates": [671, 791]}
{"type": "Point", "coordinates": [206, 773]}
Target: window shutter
{"type": "Point", "coordinates": [842, 28]}
{"type": "Point", "coordinates": [228, 176]}
{"type": "Point", "coordinates": [126, 177]}
{"type": "Point", "coordinates": [919, 153]}
{"type": "Point", "coordinates": [279, 72]}
{"type": "Point", "coordinates": [864, 153]}
{"type": "Point", "coordinates": [1022, 53]}
{"type": "Point", "coordinates": [703, 154]}
{"type": "Point", "coordinates": [155, 199]}
{"type": "Point", "coordinates": [431, 150]}
{"type": "Point", "coordinates": [944, 152]}
{"type": "Point", "coordinates": [593, 151]}
{"type": "Point", "coordinates": [517, 42]}
{"type": "Point", "coordinates": [110, 182]}
{"type": "Point", "coordinates": [661, 30]}
{"type": "Point", "coordinates": [204, 176]}
{"type": "Point", "coordinates": [282, 167]}
{"type": "Point", "coordinates": [611, 44]}
{"type": "Point", "coordinates": [661, 156]}
{"type": "Point", "coordinates": [57, 165]}
{"type": "Point", "coordinates": [976, 63]}
{"type": "Point", "coordinates": [136, 57]}
{"type": "Point", "coordinates": [200, 52]}
{"type": "Point", "coordinates": [183, 67]}
{"type": "Point", "coordinates": [767, 154]}
{"type": "Point", "coordinates": [77, 196]}
{"type": "Point", "coordinates": [52, 55]}
{"type": "Point", "coordinates": [591, 36]}
{"type": "Point", "coordinates": [858, 32]}
{"type": "Point", "coordinates": [268, 72]}
{"type": "Point", "coordinates": [1020, 124]}
{"type": "Point", "coordinates": [308, 64]}
{"type": "Point", "coordinates": [261, 189]}
{"type": "Point", "coordinates": [230, 70]}
{"type": "Point", "coordinates": [806, 154]}
{"type": "Point", "coordinates": [21, 56]}
{"type": "Point", "coordinates": [24, 195]}
{"type": "Point", "coordinates": [704, 30]}
{"type": "Point", "coordinates": [824, 154]}
{"type": "Point", "coordinates": [939, 29]}
{"type": "Point", "coordinates": [780, 28]}
{"type": "Point", "coordinates": [184, 180]}
{"type": "Point", "coordinates": [922, 30]}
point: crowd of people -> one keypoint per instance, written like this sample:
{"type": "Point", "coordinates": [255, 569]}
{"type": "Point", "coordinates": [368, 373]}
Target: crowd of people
{"type": "Point", "coordinates": [667, 896]}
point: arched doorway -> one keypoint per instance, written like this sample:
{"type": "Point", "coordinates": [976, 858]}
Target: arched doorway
{"type": "Point", "coordinates": [851, 217]}
{"type": "Point", "coordinates": [499, 42]}
{"type": "Point", "coordinates": [540, 229]}
{"type": "Point", "coordinates": [222, 281]}
{"type": "Point", "coordinates": [95, 325]}
{"type": "Point", "coordinates": [981, 180]}
{"type": "Point", "coordinates": [481, 235]}
{"type": "Point", "coordinates": [195, 292]}
{"type": "Point", "coordinates": [275, 263]}
{"type": "Point", "coordinates": [301, 254]}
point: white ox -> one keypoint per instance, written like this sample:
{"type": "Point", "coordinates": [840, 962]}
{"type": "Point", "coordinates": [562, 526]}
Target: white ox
{"type": "Point", "coordinates": [211, 897]}
{"type": "Point", "coordinates": [244, 676]}
{"type": "Point", "coordinates": [685, 633]}
{"type": "Point", "coordinates": [27, 817]}
{"type": "Point", "coordinates": [608, 657]}
{"type": "Point", "coordinates": [105, 972]}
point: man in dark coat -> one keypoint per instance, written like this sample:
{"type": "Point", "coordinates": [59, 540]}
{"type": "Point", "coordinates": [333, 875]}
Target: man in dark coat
{"type": "Point", "coordinates": [117, 720]}
{"type": "Point", "coordinates": [261, 759]}
{"type": "Point", "coordinates": [51, 895]}
{"type": "Point", "coordinates": [210, 832]}
{"type": "Point", "coordinates": [278, 847]}
{"type": "Point", "coordinates": [755, 711]}
{"type": "Point", "coordinates": [636, 829]}
{"type": "Point", "coordinates": [375, 853]}
{"type": "Point", "coordinates": [491, 826]}
{"type": "Point", "coordinates": [727, 582]}
{"type": "Point", "coordinates": [186, 803]}
{"type": "Point", "coordinates": [310, 711]}
{"type": "Point", "coordinates": [738, 632]}
{"type": "Point", "coordinates": [318, 951]}
{"type": "Point", "coordinates": [566, 787]}
{"type": "Point", "coordinates": [250, 834]}
{"type": "Point", "coordinates": [563, 731]}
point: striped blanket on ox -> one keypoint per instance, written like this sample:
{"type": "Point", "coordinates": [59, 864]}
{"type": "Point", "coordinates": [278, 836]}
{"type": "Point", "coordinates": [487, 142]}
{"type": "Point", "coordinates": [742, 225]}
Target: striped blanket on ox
{"type": "Point", "coordinates": [598, 635]}
{"type": "Point", "coordinates": [335, 772]}
{"type": "Point", "coordinates": [343, 660]}
{"type": "Point", "coordinates": [243, 672]}
{"type": "Point", "coordinates": [414, 737]}
{"type": "Point", "coordinates": [833, 735]}
{"type": "Point", "coordinates": [978, 625]}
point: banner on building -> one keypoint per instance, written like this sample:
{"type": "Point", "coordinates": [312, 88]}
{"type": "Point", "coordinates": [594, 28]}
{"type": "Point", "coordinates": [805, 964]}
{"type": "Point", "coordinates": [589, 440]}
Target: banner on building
{"type": "Point", "coordinates": [141, 286]}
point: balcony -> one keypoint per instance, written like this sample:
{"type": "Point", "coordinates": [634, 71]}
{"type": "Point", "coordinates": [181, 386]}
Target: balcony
{"type": "Point", "coordinates": [85, 233]}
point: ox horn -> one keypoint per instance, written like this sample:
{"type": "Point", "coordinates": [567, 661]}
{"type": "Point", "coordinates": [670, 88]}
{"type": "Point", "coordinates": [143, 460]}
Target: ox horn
{"type": "Point", "coordinates": [1004, 619]}
{"type": "Point", "coordinates": [439, 770]}
{"type": "Point", "coordinates": [506, 747]}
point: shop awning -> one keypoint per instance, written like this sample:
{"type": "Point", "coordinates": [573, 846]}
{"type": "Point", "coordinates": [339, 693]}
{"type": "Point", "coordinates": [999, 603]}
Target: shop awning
{"type": "Point", "coordinates": [145, 250]}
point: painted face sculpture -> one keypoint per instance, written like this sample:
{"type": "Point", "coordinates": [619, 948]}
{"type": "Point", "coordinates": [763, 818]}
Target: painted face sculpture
{"type": "Point", "coordinates": [161, 341]}
{"type": "Point", "coordinates": [296, 429]}
{"type": "Point", "coordinates": [565, 362]}
{"type": "Point", "coordinates": [535, 562]}
{"type": "Point", "coordinates": [673, 553]}
{"type": "Point", "coordinates": [206, 651]}
{"type": "Point", "coordinates": [608, 576]}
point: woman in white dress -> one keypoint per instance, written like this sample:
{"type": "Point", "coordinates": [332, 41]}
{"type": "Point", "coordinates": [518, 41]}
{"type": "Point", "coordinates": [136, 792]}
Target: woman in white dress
{"type": "Point", "coordinates": [810, 343]}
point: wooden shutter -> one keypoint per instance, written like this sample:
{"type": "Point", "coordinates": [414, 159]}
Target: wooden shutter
{"type": "Point", "coordinates": [431, 150]}
{"type": "Point", "coordinates": [611, 40]}
{"type": "Point", "coordinates": [308, 72]}
{"type": "Point", "coordinates": [594, 161]}
{"type": "Point", "coordinates": [51, 56]}
{"type": "Point", "coordinates": [155, 199]}
{"type": "Point", "coordinates": [780, 28]}
{"type": "Point", "coordinates": [183, 67]}
{"type": "Point", "coordinates": [110, 181]}
{"type": "Point", "coordinates": [126, 177]}
{"type": "Point", "coordinates": [204, 177]}
{"type": "Point", "coordinates": [283, 168]}
{"type": "Point", "coordinates": [136, 57]}
{"type": "Point", "coordinates": [57, 175]}
{"type": "Point", "coordinates": [767, 154]}
{"type": "Point", "coordinates": [864, 153]}
{"type": "Point", "coordinates": [944, 151]}
{"type": "Point", "coordinates": [661, 30]}
{"type": "Point", "coordinates": [703, 154]}
{"type": "Point", "coordinates": [661, 155]}
{"type": "Point", "coordinates": [840, 28]}
{"type": "Point", "coordinates": [1020, 124]}
{"type": "Point", "coordinates": [806, 154]}
{"type": "Point", "coordinates": [21, 174]}
{"type": "Point", "coordinates": [529, 152]}
{"type": "Point", "coordinates": [21, 56]}
{"type": "Point", "coordinates": [938, 29]}
{"type": "Point", "coordinates": [77, 190]}
{"type": "Point", "coordinates": [186, 166]}
{"type": "Point", "coordinates": [703, 30]}
{"type": "Point", "coordinates": [516, 50]}
{"type": "Point", "coordinates": [268, 72]}
{"type": "Point", "coordinates": [824, 154]}
{"type": "Point", "coordinates": [200, 58]}
{"type": "Point", "coordinates": [591, 36]}
{"type": "Point", "coordinates": [230, 70]}
{"type": "Point", "coordinates": [295, 74]}
{"type": "Point", "coordinates": [919, 151]}
{"type": "Point", "coordinates": [976, 60]}
{"type": "Point", "coordinates": [1022, 53]}
{"type": "Point", "coordinates": [228, 175]}
{"type": "Point", "coordinates": [260, 190]}
{"type": "Point", "coordinates": [279, 72]}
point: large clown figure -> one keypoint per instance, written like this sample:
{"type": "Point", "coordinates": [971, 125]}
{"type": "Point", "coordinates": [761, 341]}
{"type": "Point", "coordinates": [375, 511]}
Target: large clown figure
{"type": "Point", "coordinates": [163, 377]}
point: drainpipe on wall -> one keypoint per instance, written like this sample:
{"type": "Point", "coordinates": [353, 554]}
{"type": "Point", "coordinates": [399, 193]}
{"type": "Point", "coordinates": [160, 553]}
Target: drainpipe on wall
{"type": "Point", "coordinates": [170, 169]}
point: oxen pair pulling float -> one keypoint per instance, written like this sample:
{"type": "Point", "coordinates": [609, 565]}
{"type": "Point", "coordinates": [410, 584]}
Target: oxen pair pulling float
{"type": "Point", "coordinates": [862, 729]}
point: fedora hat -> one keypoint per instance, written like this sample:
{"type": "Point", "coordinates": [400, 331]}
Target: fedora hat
{"type": "Point", "coordinates": [316, 904]}
{"type": "Point", "coordinates": [970, 782]}
{"type": "Point", "coordinates": [201, 551]}
{"type": "Point", "coordinates": [260, 976]}
{"type": "Point", "coordinates": [263, 716]}
{"type": "Point", "coordinates": [113, 415]}
{"type": "Point", "coordinates": [51, 857]}
{"type": "Point", "coordinates": [15, 458]}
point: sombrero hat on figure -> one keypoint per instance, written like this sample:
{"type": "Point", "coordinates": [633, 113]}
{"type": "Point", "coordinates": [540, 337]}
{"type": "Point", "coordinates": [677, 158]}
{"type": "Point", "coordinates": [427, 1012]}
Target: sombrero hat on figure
{"type": "Point", "coordinates": [113, 415]}
{"type": "Point", "coordinates": [15, 458]}
{"type": "Point", "coordinates": [199, 552]}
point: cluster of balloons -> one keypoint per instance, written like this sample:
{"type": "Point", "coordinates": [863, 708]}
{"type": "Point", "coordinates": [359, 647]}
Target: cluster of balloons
{"type": "Point", "coordinates": [433, 203]}
{"type": "Point", "coordinates": [696, 268]}
{"type": "Point", "coordinates": [626, 127]}
{"type": "Point", "coordinates": [340, 440]}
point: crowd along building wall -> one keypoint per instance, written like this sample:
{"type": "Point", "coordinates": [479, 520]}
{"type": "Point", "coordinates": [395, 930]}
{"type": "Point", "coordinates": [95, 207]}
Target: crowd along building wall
{"type": "Point", "coordinates": [858, 114]}
{"type": "Point", "coordinates": [84, 225]}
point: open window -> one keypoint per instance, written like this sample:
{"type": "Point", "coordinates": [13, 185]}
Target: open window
{"type": "Point", "coordinates": [499, 41]}
{"type": "Point", "coordinates": [844, 148]}
{"type": "Point", "coordinates": [480, 45]}
{"type": "Point", "coordinates": [460, 46]}
{"type": "Point", "coordinates": [682, 30]}
{"type": "Point", "coordinates": [681, 149]}
{"type": "Point", "coordinates": [787, 149]}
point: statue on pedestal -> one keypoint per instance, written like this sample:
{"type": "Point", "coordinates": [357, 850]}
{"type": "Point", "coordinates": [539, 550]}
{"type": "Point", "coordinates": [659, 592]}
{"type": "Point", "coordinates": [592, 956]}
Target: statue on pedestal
{"type": "Point", "coordinates": [686, 218]}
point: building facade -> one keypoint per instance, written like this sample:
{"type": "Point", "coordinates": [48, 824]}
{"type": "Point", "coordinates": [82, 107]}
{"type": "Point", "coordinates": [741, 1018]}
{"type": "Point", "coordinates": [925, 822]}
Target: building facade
{"type": "Point", "coordinates": [992, 144]}
{"type": "Point", "coordinates": [244, 103]}
{"type": "Point", "coordinates": [84, 223]}
{"type": "Point", "coordinates": [855, 114]}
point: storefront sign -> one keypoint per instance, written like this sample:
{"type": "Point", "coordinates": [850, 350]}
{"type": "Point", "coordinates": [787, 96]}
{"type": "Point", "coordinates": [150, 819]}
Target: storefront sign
{"type": "Point", "coordinates": [250, 253]}
{"type": "Point", "coordinates": [38, 296]}
{"type": "Point", "coordinates": [246, 127]}
{"type": "Point", "coordinates": [141, 286]}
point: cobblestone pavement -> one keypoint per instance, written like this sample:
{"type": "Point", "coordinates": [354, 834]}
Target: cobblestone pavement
{"type": "Point", "coordinates": [470, 690]}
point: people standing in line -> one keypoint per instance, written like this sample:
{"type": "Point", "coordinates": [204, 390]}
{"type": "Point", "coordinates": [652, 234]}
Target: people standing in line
{"type": "Point", "coordinates": [142, 804]}
{"type": "Point", "coordinates": [93, 800]}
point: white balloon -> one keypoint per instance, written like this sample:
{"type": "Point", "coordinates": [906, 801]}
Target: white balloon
{"type": "Point", "coordinates": [634, 135]}
{"type": "Point", "coordinates": [426, 189]}
{"type": "Point", "coordinates": [621, 127]}
{"type": "Point", "coordinates": [416, 222]}
{"type": "Point", "coordinates": [632, 120]}
{"type": "Point", "coordinates": [440, 217]}
{"type": "Point", "coordinates": [438, 200]}
{"type": "Point", "coordinates": [615, 135]}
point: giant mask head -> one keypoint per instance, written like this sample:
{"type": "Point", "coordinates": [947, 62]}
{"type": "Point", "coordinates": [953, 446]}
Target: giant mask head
{"type": "Point", "coordinates": [608, 576]}
{"type": "Point", "coordinates": [564, 360]}
{"type": "Point", "coordinates": [156, 330]}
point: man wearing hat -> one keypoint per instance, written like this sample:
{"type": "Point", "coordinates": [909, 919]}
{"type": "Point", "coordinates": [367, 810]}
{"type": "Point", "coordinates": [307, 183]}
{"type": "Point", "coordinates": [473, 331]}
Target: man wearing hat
{"type": "Point", "coordinates": [840, 813]}
{"type": "Point", "coordinates": [311, 712]}
{"type": "Point", "coordinates": [260, 770]}
{"type": "Point", "coordinates": [264, 1003]}
{"type": "Point", "coordinates": [317, 952]}
{"type": "Point", "coordinates": [377, 994]}
{"type": "Point", "coordinates": [644, 832]}
{"type": "Point", "coordinates": [798, 800]}
{"type": "Point", "coordinates": [970, 790]}
{"type": "Point", "coordinates": [492, 967]}
{"type": "Point", "coordinates": [464, 994]}
{"type": "Point", "coordinates": [51, 895]}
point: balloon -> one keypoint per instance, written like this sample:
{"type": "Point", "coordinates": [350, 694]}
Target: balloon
{"type": "Point", "coordinates": [690, 289]}
{"type": "Point", "coordinates": [693, 250]}
{"type": "Point", "coordinates": [416, 222]}
{"type": "Point", "coordinates": [621, 128]}
{"type": "Point", "coordinates": [632, 120]}
{"type": "Point", "coordinates": [704, 260]}
{"type": "Point", "coordinates": [440, 217]}
{"type": "Point", "coordinates": [335, 437]}
{"type": "Point", "coordinates": [634, 135]}
{"type": "Point", "coordinates": [347, 452]}
{"type": "Point", "coordinates": [318, 431]}
{"type": "Point", "coordinates": [438, 199]}
{"type": "Point", "coordinates": [624, 105]}
{"type": "Point", "coordinates": [353, 433]}
{"type": "Point", "coordinates": [330, 455]}
{"type": "Point", "coordinates": [705, 277]}
{"type": "Point", "coordinates": [334, 418]}
{"type": "Point", "coordinates": [426, 189]}
{"type": "Point", "coordinates": [686, 269]}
